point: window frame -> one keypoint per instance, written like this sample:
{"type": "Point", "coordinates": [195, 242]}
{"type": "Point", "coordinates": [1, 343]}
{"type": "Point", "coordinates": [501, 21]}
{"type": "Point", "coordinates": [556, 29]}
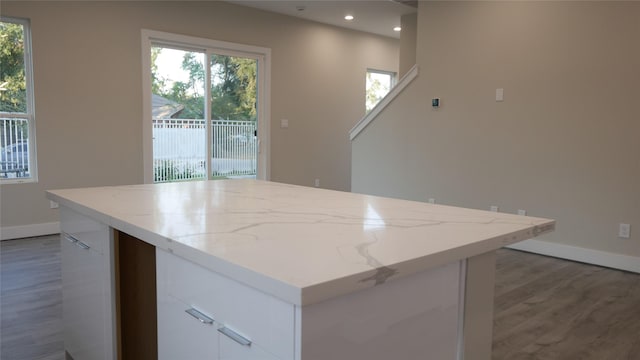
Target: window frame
{"type": "Point", "coordinates": [29, 115]}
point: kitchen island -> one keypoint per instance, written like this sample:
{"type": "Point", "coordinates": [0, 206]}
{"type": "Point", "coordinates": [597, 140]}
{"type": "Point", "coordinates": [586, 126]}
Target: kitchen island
{"type": "Point", "coordinates": [249, 269]}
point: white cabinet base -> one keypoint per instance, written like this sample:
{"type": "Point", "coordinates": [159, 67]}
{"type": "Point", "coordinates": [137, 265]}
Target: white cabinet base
{"type": "Point", "coordinates": [87, 287]}
{"type": "Point", "coordinates": [412, 318]}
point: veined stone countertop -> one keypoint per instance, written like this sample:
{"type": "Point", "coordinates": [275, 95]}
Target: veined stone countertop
{"type": "Point", "coordinates": [300, 244]}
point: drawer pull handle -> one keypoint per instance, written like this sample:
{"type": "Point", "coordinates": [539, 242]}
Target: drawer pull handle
{"type": "Point", "coordinates": [82, 245]}
{"type": "Point", "coordinates": [77, 242]}
{"type": "Point", "coordinates": [70, 238]}
{"type": "Point", "coordinates": [200, 316]}
{"type": "Point", "coordinates": [235, 336]}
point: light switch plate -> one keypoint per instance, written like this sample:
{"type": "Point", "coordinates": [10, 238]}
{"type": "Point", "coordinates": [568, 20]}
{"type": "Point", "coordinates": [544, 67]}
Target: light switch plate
{"type": "Point", "coordinates": [624, 231]}
{"type": "Point", "coordinates": [500, 94]}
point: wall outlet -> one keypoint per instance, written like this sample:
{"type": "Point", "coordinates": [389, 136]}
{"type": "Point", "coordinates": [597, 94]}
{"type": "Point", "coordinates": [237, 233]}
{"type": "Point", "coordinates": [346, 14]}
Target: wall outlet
{"type": "Point", "coordinates": [431, 201]}
{"type": "Point", "coordinates": [494, 208]}
{"type": "Point", "coordinates": [53, 204]}
{"type": "Point", "coordinates": [624, 231]}
{"type": "Point", "coordinates": [522, 212]}
{"type": "Point", "coordinates": [316, 183]}
{"type": "Point", "coordinates": [284, 123]}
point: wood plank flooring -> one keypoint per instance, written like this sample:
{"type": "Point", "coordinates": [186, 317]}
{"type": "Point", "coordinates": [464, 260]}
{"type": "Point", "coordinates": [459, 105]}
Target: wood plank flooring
{"type": "Point", "coordinates": [31, 299]}
{"type": "Point", "coordinates": [545, 308]}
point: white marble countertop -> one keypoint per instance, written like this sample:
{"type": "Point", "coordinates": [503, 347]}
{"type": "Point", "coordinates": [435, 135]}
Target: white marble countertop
{"type": "Point", "coordinates": [300, 244]}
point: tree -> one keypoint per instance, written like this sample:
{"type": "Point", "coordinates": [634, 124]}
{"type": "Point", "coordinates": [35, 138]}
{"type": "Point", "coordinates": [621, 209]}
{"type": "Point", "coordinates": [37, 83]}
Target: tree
{"type": "Point", "coordinates": [190, 94]}
{"type": "Point", "coordinates": [375, 92]}
{"type": "Point", "coordinates": [246, 71]}
{"type": "Point", "coordinates": [157, 82]}
{"type": "Point", "coordinates": [224, 82]}
{"type": "Point", "coordinates": [13, 86]}
{"type": "Point", "coordinates": [233, 87]}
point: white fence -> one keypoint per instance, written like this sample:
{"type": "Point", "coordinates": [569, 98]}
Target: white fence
{"type": "Point", "coordinates": [179, 148]}
{"type": "Point", "coordinates": [14, 148]}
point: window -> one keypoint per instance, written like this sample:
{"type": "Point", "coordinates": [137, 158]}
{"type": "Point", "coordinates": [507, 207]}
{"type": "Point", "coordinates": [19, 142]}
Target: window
{"type": "Point", "coordinates": [378, 85]}
{"type": "Point", "coordinates": [17, 128]}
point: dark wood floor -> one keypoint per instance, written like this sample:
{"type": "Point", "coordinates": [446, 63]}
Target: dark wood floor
{"type": "Point", "coordinates": [545, 308]}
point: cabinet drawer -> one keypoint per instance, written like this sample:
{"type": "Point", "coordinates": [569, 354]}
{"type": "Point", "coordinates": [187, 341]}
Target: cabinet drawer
{"type": "Point", "coordinates": [265, 320]}
{"type": "Point", "coordinates": [231, 350]}
{"type": "Point", "coordinates": [181, 336]}
{"type": "Point", "coordinates": [84, 229]}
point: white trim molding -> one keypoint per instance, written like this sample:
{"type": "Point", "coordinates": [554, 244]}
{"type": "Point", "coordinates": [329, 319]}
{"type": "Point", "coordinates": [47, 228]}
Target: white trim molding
{"type": "Point", "coordinates": [402, 84]}
{"type": "Point", "coordinates": [24, 231]}
{"type": "Point", "coordinates": [589, 256]}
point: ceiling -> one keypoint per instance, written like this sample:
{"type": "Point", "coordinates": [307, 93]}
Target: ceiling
{"type": "Point", "coordinates": [372, 16]}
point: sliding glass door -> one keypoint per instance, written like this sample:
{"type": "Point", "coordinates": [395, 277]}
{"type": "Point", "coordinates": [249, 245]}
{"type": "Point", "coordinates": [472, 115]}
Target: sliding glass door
{"type": "Point", "coordinates": [234, 118]}
{"type": "Point", "coordinates": [205, 112]}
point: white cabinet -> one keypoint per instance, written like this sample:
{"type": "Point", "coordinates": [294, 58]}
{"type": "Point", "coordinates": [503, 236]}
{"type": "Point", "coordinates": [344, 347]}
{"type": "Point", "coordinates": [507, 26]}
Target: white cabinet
{"type": "Point", "coordinates": [232, 349]}
{"type": "Point", "coordinates": [87, 287]}
{"type": "Point", "coordinates": [231, 321]}
{"type": "Point", "coordinates": [182, 335]}
{"type": "Point", "coordinates": [403, 319]}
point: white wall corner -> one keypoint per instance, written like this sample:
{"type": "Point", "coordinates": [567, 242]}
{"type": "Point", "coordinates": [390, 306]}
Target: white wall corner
{"type": "Point", "coordinates": [24, 231]}
{"type": "Point", "coordinates": [589, 256]}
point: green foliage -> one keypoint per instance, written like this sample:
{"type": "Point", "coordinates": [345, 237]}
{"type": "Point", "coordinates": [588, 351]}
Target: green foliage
{"type": "Point", "coordinates": [164, 170]}
{"type": "Point", "coordinates": [233, 87]}
{"type": "Point", "coordinates": [13, 86]}
{"type": "Point", "coordinates": [168, 170]}
{"type": "Point", "coordinates": [157, 82]}
{"type": "Point", "coordinates": [373, 92]}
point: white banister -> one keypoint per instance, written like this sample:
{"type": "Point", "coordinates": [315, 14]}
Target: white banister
{"type": "Point", "coordinates": [401, 85]}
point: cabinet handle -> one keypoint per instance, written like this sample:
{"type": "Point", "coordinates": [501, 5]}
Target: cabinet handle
{"type": "Point", "coordinates": [235, 336]}
{"type": "Point", "coordinates": [82, 245]}
{"type": "Point", "coordinates": [200, 316]}
{"type": "Point", "coordinates": [70, 238]}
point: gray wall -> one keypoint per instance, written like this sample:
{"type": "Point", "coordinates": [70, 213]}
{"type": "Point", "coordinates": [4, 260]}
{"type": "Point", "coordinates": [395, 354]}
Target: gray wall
{"type": "Point", "coordinates": [408, 45]}
{"type": "Point", "coordinates": [563, 144]}
{"type": "Point", "coordinates": [88, 91]}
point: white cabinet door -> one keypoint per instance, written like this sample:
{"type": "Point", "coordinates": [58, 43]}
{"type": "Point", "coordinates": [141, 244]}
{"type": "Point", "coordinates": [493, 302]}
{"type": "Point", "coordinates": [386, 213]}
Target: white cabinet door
{"type": "Point", "coordinates": [184, 335]}
{"type": "Point", "coordinates": [200, 314]}
{"type": "Point", "coordinates": [267, 321]}
{"type": "Point", "coordinates": [87, 288]}
{"type": "Point", "coordinates": [83, 302]}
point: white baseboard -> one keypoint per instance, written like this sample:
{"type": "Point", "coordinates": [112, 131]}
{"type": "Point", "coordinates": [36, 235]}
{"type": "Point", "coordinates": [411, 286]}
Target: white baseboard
{"type": "Point", "coordinates": [589, 256]}
{"type": "Point", "coordinates": [23, 231]}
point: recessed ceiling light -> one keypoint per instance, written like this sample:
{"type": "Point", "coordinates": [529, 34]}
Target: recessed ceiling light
{"type": "Point", "coordinates": [348, 17]}
{"type": "Point", "coordinates": [397, 28]}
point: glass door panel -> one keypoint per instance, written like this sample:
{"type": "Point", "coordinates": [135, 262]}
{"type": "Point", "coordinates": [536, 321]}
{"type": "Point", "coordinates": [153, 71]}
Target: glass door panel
{"type": "Point", "coordinates": [178, 114]}
{"type": "Point", "coordinates": [234, 119]}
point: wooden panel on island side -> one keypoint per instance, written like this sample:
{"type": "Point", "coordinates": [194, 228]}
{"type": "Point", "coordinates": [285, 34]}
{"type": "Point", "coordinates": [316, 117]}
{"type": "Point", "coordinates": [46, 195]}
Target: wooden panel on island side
{"type": "Point", "coordinates": [136, 298]}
